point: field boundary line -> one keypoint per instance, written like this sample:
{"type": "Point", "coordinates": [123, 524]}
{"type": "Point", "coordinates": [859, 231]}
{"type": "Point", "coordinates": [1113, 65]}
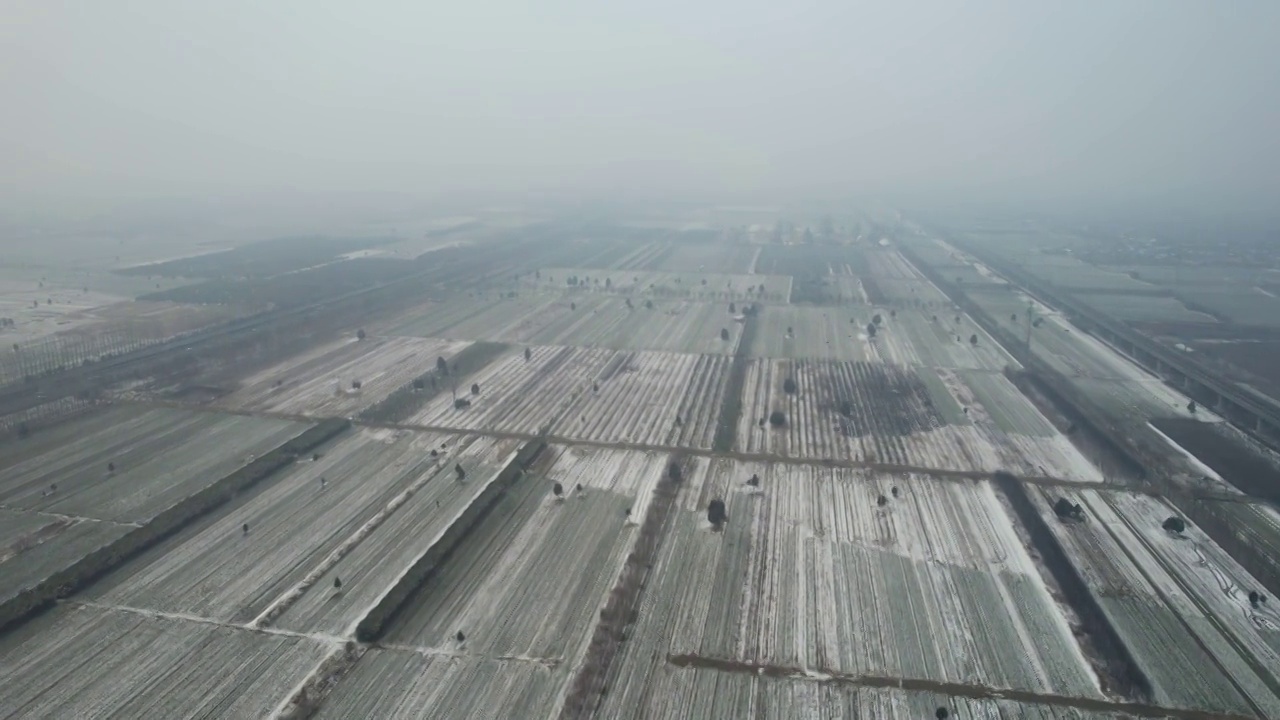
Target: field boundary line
{"type": "Point", "coordinates": [201, 620]}
{"type": "Point", "coordinates": [965, 690]}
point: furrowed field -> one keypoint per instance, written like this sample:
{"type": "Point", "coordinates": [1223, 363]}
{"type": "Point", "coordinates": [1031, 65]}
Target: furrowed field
{"type": "Point", "coordinates": [849, 573]}
{"type": "Point", "coordinates": [321, 383]}
{"type": "Point", "coordinates": [879, 413]}
{"type": "Point", "coordinates": [644, 398]}
{"type": "Point", "coordinates": [1179, 603]}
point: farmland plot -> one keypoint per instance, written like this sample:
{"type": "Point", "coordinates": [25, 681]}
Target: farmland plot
{"type": "Point", "coordinates": [34, 546]}
{"type": "Point", "coordinates": [531, 583]}
{"type": "Point", "coordinates": [711, 257]}
{"type": "Point", "coordinates": [393, 684]}
{"type": "Point", "coordinates": [688, 284]}
{"type": "Point", "coordinates": [890, 264]}
{"type": "Point", "coordinates": [389, 544]}
{"type": "Point", "coordinates": [812, 573]}
{"type": "Point", "coordinates": [320, 383]}
{"type": "Point", "coordinates": [663, 691]}
{"type": "Point", "coordinates": [479, 318]}
{"type": "Point", "coordinates": [920, 294]}
{"type": "Point", "coordinates": [1178, 603]}
{"type": "Point", "coordinates": [1145, 308]}
{"type": "Point", "coordinates": [217, 570]}
{"type": "Point", "coordinates": [888, 414]}
{"type": "Point", "coordinates": [80, 662]}
{"type": "Point", "coordinates": [906, 337]}
{"type": "Point", "coordinates": [646, 398]}
{"type": "Point", "coordinates": [670, 325]}
{"type": "Point", "coordinates": [128, 463]}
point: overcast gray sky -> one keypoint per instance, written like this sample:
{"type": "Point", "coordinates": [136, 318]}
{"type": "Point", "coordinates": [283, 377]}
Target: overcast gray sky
{"type": "Point", "coordinates": [1072, 100]}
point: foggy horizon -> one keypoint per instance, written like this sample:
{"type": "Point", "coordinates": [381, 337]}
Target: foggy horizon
{"type": "Point", "coordinates": [1093, 105]}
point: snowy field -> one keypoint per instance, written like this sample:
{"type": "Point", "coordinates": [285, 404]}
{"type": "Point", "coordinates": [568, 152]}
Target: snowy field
{"type": "Point", "coordinates": [88, 662]}
{"type": "Point", "coordinates": [905, 337]}
{"type": "Point", "coordinates": [591, 321]}
{"type": "Point", "coordinates": [813, 574]}
{"type": "Point", "coordinates": [1179, 602]}
{"type": "Point", "coordinates": [893, 415]}
{"type": "Point", "coordinates": [644, 398]}
{"type": "Point", "coordinates": [319, 383]}
{"type": "Point", "coordinates": [215, 570]}
{"type": "Point", "coordinates": [129, 463]}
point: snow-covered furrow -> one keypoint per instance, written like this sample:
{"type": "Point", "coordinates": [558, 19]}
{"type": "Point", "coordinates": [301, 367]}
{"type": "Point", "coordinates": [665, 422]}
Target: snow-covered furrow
{"type": "Point", "coordinates": [643, 398]}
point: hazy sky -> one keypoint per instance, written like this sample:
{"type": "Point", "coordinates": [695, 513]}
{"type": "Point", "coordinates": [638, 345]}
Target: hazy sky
{"type": "Point", "coordinates": [1070, 100]}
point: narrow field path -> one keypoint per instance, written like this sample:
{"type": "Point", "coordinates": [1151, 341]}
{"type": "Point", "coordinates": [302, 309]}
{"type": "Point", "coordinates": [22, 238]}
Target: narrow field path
{"type": "Point", "coordinates": [971, 691]}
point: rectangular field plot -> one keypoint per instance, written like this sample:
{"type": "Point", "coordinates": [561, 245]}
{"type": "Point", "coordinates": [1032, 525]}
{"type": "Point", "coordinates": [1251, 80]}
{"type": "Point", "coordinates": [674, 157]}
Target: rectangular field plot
{"type": "Point", "coordinates": [129, 463]}
{"type": "Point", "coordinates": [906, 337]}
{"type": "Point", "coordinates": [643, 398]}
{"type": "Point", "coordinates": [689, 285]}
{"type": "Point", "coordinates": [397, 684]}
{"type": "Point", "coordinates": [531, 582]}
{"type": "Point", "coordinates": [300, 528]}
{"type": "Point", "coordinates": [34, 546]}
{"type": "Point", "coordinates": [319, 383]}
{"type": "Point", "coordinates": [1145, 308]}
{"type": "Point", "coordinates": [84, 662]}
{"type": "Point", "coordinates": [708, 257]}
{"type": "Point", "coordinates": [813, 572]}
{"type": "Point", "coordinates": [501, 319]}
{"type": "Point", "coordinates": [893, 415]}
{"type": "Point", "coordinates": [597, 321]}
{"type": "Point", "coordinates": [918, 294]}
{"type": "Point", "coordinates": [664, 691]}
{"type": "Point", "coordinates": [1177, 601]}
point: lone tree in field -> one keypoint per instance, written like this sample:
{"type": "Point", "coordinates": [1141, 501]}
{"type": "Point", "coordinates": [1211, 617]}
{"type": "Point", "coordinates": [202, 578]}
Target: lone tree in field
{"type": "Point", "coordinates": [871, 330]}
{"type": "Point", "coordinates": [732, 308]}
{"type": "Point", "coordinates": [111, 467]}
{"type": "Point", "coordinates": [360, 334]}
{"type": "Point", "coordinates": [475, 388]}
{"type": "Point", "coordinates": [558, 489]}
{"type": "Point", "coordinates": [337, 583]}
{"type": "Point", "coordinates": [1191, 407]}
{"type": "Point", "coordinates": [716, 514]}
{"type": "Point", "coordinates": [528, 354]}
{"type": "Point", "coordinates": [462, 474]}
{"type": "Point", "coordinates": [973, 340]}
{"type": "Point", "coordinates": [877, 319]}
{"type": "Point", "coordinates": [355, 384]}
{"type": "Point", "coordinates": [1174, 524]}
{"type": "Point", "coordinates": [881, 501]}
{"type": "Point", "coordinates": [754, 480]}
{"type": "Point", "coordinates": [777, 418]}
{"type": "Point", "coordinates": [648, 304]}
{"type": "Point", "coordinates": [893, 313]}
{"type": "Point", "coordinates": [789, 386]}
{"type": "Point", "coordinates": [442, 365]}
{"type": "Point", "coordinates": [724, 334]}
{"type": "Point", "coordinates": [245, 528]}
{"type": "Point", "coordinates": [941, 713]}
{"type": "Point", "coordinates": [460, 637]}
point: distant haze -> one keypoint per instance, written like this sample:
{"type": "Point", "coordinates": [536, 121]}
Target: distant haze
{"type": "Point", "coordinates": [1096, 103]}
